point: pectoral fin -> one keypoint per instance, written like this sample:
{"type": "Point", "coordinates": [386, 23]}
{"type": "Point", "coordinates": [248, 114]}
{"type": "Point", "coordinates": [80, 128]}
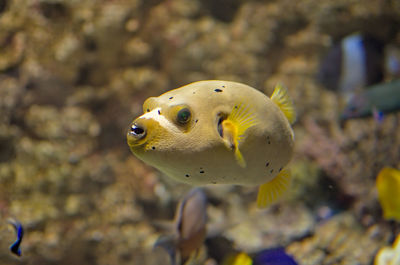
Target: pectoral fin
{"type": "Point", "coordinates": [233, 129]}
{"type": "Point", "coordinates": [230, 137]}
{"type": "Point", "coordinates": [272, 190]}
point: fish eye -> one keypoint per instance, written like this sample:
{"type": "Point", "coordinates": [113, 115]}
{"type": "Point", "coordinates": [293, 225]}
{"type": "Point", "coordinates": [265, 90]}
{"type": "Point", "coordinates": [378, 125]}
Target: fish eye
{"type": "Point", "coordinates": [183, 116]}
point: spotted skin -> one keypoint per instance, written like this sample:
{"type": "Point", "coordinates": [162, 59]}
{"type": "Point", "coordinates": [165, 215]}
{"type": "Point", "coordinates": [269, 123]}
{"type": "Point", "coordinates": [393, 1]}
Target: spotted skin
{"type": "Point", "coordinates": [181, 150]}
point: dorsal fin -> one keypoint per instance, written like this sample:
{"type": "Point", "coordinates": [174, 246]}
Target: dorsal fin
{"type": "Point", "coordinates": [281, 98]}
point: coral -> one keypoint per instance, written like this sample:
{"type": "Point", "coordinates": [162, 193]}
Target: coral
{"type": "Point", "coordinates": [340, 240]}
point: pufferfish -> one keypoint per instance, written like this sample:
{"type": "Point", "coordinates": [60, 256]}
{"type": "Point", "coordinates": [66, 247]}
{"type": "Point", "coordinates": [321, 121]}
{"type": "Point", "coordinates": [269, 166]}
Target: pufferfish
{"type": "Point", "coordinates": [218, 132]}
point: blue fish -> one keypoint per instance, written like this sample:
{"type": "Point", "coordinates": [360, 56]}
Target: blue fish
{"type": "Point", "coordinates": [273, 256]}
{"type": "Point", "coordinates": [19, 230]}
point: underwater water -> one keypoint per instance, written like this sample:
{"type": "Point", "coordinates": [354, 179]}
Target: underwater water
{"type": "Point", "coordinates": [75, 74]}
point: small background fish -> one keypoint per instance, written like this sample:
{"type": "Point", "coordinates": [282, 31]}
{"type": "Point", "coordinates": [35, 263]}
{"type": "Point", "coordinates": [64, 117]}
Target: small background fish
{"type": "Point", "coordinates": [388, 185]}
{"type": "Point", "coordinates": [189, 229]}
{"type": "Point", "coordinates": [273, 256]}
{"type": "Point", "coordinates": [378, 99]}
{"type": "Point", "coordinates": [357, 61]}
{"type": "Point", "coordinates": [15, 248]}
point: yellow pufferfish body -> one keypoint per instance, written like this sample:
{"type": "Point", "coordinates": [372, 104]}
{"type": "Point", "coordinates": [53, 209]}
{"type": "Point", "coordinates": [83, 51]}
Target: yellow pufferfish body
{"type": "Point", "coordinates": [218, 132]}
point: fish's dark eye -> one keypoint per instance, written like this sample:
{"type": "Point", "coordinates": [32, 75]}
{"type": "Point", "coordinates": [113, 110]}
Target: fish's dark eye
{"type": "Point", "coordinates": [183, 116]}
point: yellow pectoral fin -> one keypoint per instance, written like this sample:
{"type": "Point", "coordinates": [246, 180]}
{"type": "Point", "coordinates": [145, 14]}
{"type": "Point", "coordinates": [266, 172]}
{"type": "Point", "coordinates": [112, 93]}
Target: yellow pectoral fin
{"type": "Point", "coordinates": [229, 134]}
{"type": "Point", "coordinates": [272, 190]}
{"type": "Point", "coordinates": [234, 127]}
{"type": "Point", "coordinates": [230, 137]}
{"type": "Point", "coordinates": [239, 158]}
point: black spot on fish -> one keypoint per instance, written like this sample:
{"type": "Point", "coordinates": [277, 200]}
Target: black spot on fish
{"type": "Point", "coordinates": [201, 171]}
{"type": "Point", "coordinates": [267, 164]}
{"type": "Point", "coordinates": [236, 107]}
{"type": "Point", "coordinates": [280, 169]}
{"type": "Point", "coordinates": [223, 86]}
{"type": "Point", "coordinates": [187, 175]}
{"type": "Point", "coordinates": [148, 110]}
{"type": "Point", "coordinates": [153, 147]}
{"type": "Point", "coordinates": [196, 121]}
{"type": "Point", "coordinates": [218, 90]}
{"type": "Point", "coordinates": [272, 170]}
{"type": "Point", "coordinates": [171, 97]}
{"type": "Point", "coordinates": [159, 112]}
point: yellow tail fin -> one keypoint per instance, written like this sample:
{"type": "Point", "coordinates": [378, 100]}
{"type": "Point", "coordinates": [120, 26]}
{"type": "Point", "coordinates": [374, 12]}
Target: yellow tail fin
{"type": "Point", "coordinates": [272, 190]}
{"type": "Point", "coordinates": [281, 98]}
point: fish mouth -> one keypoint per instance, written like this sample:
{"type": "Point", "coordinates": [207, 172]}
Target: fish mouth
{"type": "Point", "coordinates": [136, 134]}
{"type": "Point", "coordinates": [143, 132]}
{"type": "Point", "coordinates": [137, 131]}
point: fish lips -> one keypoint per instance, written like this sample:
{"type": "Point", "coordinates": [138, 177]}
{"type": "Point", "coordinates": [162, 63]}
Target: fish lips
{"type": "Point", "coordinates": [144, 134]}
{"type": "Point", "coordinates": [136, 133]}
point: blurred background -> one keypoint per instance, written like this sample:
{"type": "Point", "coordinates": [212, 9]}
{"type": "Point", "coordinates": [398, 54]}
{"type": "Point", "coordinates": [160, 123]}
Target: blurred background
{"type": "Point", "coordinates": [74, 74]}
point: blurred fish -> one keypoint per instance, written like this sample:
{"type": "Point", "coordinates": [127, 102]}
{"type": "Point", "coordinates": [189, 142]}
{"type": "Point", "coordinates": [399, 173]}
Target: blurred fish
{"type": "Point", "coordinates": [189, 227]}
{"type": "Point", "coordinates": [392, 61]}
{"type": "Point", "coordinates": [389, 255]}
{"type": "Point", "coordinates": [211, 132]}
{"type": "Point", "coordinates": [355, 62]}
{"type": "Point", "coordinates": [238, 259]}
{"type": "Point", "coordinates": [19, 230]}
{"type": "Point", "coordinates": [388, 185]}
{"type": "Point", "coordinates": [274, 256]}
{"type": "Point", "coordinates": [376, 100]}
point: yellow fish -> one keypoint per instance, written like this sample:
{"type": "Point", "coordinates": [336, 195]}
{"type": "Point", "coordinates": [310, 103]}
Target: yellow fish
{"type": "Point", "coordinates": [223, 132]}
{"type": "Point", "coordinates": [388, 185]}
{"type": "Point", "coordinates": [238, 259]}
{"type": "Point", "coordinates": [389, 255]}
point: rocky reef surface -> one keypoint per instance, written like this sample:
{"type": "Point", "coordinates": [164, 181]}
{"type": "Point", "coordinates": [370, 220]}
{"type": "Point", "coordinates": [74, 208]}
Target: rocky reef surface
{"type": "Point", "coordinates": [73, 74]}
